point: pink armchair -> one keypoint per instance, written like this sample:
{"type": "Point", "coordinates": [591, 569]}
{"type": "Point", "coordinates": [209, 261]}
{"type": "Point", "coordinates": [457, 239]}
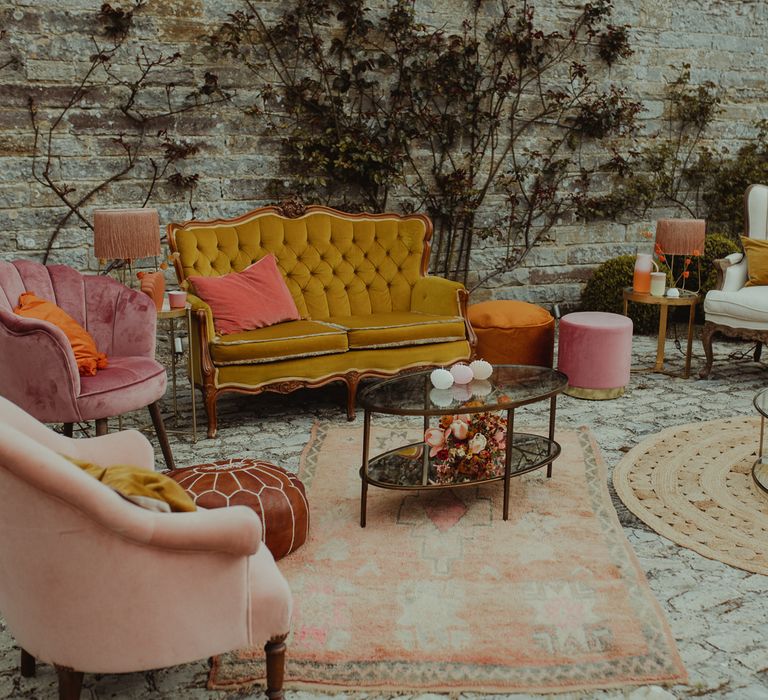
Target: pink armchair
{"type": "Point", "coordinates": [38, 370]}
{"type": "Point", "coordinates": [92, 583]}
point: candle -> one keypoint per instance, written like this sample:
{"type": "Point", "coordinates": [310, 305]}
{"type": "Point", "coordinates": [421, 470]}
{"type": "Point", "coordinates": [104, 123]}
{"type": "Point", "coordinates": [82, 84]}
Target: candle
{"type": "Point", "coordinates": [658, 282]}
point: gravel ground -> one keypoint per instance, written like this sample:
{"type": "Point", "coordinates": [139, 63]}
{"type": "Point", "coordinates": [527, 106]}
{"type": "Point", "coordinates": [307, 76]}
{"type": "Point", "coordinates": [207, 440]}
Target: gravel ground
{"type": "Point", "coordinates": [717, 613]}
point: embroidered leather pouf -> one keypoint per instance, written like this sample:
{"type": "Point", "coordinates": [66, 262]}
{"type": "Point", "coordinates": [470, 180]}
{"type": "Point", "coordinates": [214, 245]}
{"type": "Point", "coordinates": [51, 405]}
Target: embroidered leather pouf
{"type": "Point", "coordinates": [275, 494]}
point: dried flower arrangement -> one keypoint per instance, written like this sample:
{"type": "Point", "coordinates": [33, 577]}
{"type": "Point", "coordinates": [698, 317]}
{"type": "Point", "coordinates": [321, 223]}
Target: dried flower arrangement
{"type": "Point", "coordinates": [467, 447]}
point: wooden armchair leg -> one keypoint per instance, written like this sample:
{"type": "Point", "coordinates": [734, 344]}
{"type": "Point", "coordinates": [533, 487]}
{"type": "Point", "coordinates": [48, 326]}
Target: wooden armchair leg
{"type": "Point", "coordinates": [275, 651]}
{"type": "Point", "coordinates": [28, 665]}
{"type": "Point", "coordinates": [68, 429]}
{"type": "Point", "coordinates": [70, 683]}
{"type": "Point", "coordinates": [102, 426]}
{"type": "Point", "coordinates": [162, 437]}
{"type": "Point", "coordinates": [758, 351]}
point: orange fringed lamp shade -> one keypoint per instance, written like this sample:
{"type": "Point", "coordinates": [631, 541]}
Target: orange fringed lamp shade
{"type": "Point", "coordinates": [126, 234]}
{"type": "Point", "coordinates": [681, 236]}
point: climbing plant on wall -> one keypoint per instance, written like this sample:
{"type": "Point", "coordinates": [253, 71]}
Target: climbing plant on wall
{"type": "Point", "coordinates": [142, 135]}
{"type": "Point", "coordinates": [497, 111]}
{"type": "Point", "coordinates": [677, 169]}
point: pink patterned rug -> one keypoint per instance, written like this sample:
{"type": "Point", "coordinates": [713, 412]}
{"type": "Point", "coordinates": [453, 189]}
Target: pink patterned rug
{"type": "Point", "coordinates": [438, 593]}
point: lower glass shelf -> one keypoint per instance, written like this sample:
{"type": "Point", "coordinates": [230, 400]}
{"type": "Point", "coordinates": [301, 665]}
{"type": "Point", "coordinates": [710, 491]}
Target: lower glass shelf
{"type": "Point", "coordinates": [410, 467]}
{"type": "Point", "coordinates": [760, 474]}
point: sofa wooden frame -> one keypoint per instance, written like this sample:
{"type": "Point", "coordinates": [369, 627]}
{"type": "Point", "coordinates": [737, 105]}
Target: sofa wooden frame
{"type": "Point", "coordinates": [294, 209]}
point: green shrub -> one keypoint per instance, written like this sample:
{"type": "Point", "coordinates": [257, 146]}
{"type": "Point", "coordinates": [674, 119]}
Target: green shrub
{"type": "Point", "coordinates": [716, 246]}
{"type": "Point", "coordinates": [603, 291]}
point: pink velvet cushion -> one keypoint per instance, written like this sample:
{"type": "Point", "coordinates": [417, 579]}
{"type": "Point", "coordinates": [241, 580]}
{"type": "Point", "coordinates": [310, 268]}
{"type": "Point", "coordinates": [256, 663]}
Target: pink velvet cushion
{"type": "Point", "coordinates": [254, 298]}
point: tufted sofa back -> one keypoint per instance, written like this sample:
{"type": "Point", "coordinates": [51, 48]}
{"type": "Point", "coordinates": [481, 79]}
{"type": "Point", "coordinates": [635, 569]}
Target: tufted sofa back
{"type": "Point", "coordinates": [334, 264]}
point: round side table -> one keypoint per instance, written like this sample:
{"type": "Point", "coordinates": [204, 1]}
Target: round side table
{"type": "Point", "coordinates": [686, 298]}
{"type": "Point", "coordinates": [170, 315]}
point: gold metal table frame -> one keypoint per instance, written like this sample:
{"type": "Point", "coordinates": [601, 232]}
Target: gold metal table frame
{"type": "Point", "coordinates": [510, 387]}
{"type": "Point", "coordinates": [686, 298]}
{"type": "Point", "coordinates": [171, 315]}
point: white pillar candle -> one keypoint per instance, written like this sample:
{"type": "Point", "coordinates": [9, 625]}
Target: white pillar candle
{"type": "Point", "coordinates": [658, 282]}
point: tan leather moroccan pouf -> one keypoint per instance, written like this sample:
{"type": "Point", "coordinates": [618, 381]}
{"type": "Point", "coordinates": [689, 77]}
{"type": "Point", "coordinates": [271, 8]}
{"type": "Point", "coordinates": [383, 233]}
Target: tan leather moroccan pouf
{"type": "Point", "coordinates": [275, 494]}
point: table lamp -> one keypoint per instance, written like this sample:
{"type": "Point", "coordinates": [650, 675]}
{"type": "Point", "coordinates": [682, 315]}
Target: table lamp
{"type": "Point", "coordinates": [681, 237]}
{"type": "Point", "coordinates": [125, 235]}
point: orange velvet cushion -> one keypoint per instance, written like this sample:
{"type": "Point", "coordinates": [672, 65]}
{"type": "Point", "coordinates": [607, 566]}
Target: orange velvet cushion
{"type": "Point", "coordinates": [242, 301]}
{"type": "Point", "coordinates": [507, 313]}
{"type": "Point", "coordinates": [87, 356]}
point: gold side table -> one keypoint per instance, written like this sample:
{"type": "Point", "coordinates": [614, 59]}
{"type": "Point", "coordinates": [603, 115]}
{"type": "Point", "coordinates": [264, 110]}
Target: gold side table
{"type": "Point", "coordinates": [171, 315]}
{"type": "Point", "coordinates": [686, 298]}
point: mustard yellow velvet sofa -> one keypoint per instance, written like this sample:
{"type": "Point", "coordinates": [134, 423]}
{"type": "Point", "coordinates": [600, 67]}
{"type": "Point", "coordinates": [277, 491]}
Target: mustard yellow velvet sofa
{"type": "Point", "coordinates": [359, 282]}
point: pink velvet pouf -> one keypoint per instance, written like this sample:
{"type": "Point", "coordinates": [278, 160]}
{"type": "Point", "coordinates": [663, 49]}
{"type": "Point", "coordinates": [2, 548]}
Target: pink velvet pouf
{"type": "Point", "coordinates": [595, 351]}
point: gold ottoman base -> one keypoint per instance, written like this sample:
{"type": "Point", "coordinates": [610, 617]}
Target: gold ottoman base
{"type": "Point", "coordinates": [595, 394]}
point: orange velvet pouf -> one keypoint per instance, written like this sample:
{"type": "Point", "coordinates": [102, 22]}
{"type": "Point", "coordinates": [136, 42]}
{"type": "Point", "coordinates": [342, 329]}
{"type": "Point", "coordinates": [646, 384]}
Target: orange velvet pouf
{"type": "Point", "coordinates": [513, 333]}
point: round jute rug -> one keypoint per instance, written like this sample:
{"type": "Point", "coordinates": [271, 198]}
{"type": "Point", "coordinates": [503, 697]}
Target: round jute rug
{"type": "Point", "coordinates": [693, 484]}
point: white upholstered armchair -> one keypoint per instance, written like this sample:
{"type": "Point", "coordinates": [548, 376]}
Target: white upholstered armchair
{"type": "Point", "coordinates": [731, 308]}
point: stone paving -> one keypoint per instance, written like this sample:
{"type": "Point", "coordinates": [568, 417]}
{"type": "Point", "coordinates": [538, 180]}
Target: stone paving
{"type": "Point", "coordinates": [718, 614]}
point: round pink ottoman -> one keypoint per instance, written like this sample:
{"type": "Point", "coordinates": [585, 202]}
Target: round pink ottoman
{"type": "Point", "coordinates": [595, 351]}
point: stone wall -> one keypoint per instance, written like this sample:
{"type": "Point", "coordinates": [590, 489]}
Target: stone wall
{"type": "Point", "coordinates": [46, 49]}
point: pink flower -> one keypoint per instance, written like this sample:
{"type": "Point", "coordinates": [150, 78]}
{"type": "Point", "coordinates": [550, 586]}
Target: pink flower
{"type": "Point", "coordinates": [500, 437]}
{"type": "Point", "coordinates": [435, 438]}
{"type": "Point", "coordinates": [477, 443]}
{"type": "Point", "coordinates": [459, 429]}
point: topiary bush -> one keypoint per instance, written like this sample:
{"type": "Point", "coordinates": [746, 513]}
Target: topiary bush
{"type": "Point", "coordinates": [603, 293]}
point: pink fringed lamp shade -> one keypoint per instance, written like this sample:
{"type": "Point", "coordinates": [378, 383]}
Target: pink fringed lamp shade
{"type": "Point", "coordinates": [126, 234]}
{"type": "Point", "coordinates": [681, 236]}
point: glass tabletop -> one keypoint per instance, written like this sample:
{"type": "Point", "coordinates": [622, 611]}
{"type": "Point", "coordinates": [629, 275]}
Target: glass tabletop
{"type": "Point", "coordinates": [507, 387]}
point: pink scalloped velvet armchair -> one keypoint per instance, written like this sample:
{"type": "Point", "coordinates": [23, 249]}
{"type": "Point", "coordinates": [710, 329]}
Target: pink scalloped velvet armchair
{"type": "Point", "coordinates": [92, 583]}
{"type": "Point", "coordinates": [38, 370]}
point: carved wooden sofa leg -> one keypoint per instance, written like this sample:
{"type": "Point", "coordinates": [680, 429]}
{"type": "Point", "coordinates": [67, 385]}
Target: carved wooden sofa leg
{"type": "Point", "coordinates": [706, 341]}
{"type": "Point", "coordinates": [70, 683]}
{"type": "Point", "coordinates": [275, 651]}
{"type": "Point", "coordinates": [28, 665]}
{"type": "Point", "coordinates": [210, 411]}
{"type": "Point", "coordinates": [352, 380]}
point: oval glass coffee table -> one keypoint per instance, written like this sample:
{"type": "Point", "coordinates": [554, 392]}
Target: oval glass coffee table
{"type": "Point", "coordinates": [411, 467]}
{"type": "Point", "coordinates": [760, 468]}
